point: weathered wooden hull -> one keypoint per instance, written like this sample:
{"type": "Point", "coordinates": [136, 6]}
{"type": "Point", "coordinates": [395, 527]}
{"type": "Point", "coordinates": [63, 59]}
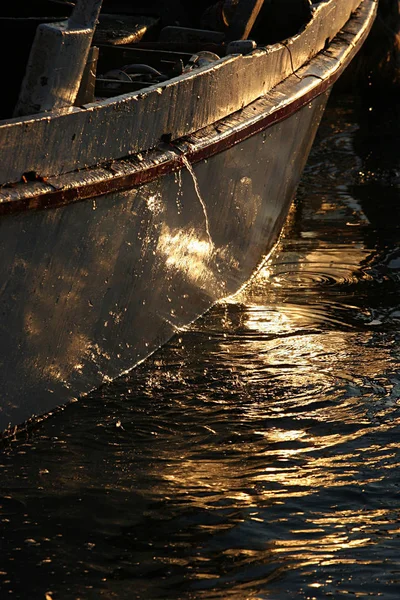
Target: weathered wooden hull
{"type": "Point", "coordinates": [99, 269]}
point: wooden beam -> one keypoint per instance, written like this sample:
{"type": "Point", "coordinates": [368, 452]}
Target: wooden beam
{"type": "Point", "coordinates": [245, 15]}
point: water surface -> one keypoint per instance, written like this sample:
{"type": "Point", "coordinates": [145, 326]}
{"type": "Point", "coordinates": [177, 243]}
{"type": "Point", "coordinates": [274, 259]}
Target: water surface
{"type": "Point", "coordinates": [256, 456]}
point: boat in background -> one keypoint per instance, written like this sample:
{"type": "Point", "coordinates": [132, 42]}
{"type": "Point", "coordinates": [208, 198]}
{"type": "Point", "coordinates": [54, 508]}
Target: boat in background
{"type": "Point", "coordinates": [147, 168]}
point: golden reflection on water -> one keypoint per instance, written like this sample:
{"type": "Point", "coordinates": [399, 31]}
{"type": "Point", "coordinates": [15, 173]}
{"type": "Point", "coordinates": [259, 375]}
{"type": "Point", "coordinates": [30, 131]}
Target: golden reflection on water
{"type": "Point", "coordinates": [332, 370]}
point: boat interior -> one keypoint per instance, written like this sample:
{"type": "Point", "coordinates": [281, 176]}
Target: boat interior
{"type": "Point", "coordinates": [139, 43]}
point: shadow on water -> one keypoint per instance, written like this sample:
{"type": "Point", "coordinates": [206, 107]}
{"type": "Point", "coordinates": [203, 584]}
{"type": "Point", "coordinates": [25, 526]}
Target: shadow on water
{"type": "Point", "coordinates": [256, 456]}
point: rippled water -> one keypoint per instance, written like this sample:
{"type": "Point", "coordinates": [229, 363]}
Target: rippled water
{"type": "Point", "coordinates": [257, 455]}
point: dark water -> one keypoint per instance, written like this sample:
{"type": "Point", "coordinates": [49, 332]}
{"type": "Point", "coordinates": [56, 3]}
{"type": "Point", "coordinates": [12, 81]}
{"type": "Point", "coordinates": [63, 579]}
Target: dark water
{"type": "Point", "coordinates": [257, 455]}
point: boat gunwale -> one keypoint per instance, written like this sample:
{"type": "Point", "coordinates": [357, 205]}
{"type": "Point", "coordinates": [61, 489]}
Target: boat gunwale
{"type": "Point", "coordinates": [195, 73]}
{"type": "Point", "coordinates": [142, 118]}
{"type": "Point", "coordinates": [126, 173]}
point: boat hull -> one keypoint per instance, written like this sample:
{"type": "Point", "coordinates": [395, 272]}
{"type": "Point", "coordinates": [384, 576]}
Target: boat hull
{"type": "Point", "coordinates": [102, 266]}
{"type": "Point", "coordinates": [94, 287]}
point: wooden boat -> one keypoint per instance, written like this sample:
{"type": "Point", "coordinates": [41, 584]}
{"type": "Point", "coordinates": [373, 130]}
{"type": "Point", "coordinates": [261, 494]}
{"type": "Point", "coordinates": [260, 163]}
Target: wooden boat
{"type": "Point", "coordinates": [135, 197]}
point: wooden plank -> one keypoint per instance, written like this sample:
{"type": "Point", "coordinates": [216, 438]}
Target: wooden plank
{"type": "Point", "coordinates": [57, 61]}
